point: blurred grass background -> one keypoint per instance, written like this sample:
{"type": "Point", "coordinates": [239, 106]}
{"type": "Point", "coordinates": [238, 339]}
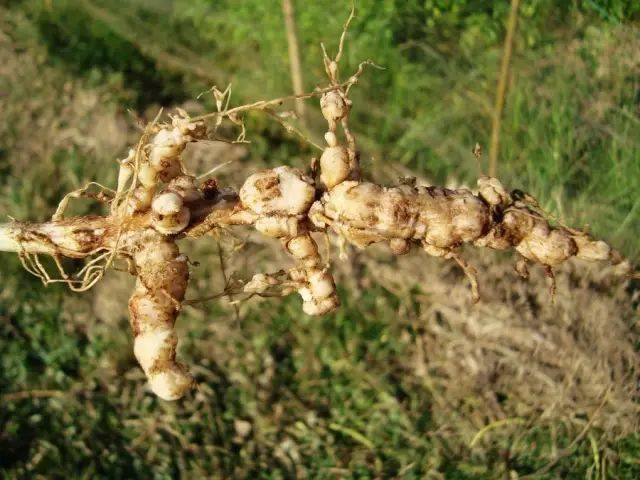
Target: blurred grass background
{"type": "Point", "coordinates": [346, 396]}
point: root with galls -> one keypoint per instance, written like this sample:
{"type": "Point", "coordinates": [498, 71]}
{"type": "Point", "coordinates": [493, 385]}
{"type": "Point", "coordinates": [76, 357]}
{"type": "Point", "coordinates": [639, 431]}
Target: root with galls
{"type": "Point", "coordinates": [162, 281]}
{"type": "Point", "coordinates": [158, 203]}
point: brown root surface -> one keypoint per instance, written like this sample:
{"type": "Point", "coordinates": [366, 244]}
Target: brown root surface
{"type": "Point", "coordinates": [162, 281]}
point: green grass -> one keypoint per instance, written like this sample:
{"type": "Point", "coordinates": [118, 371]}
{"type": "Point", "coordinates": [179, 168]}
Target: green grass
{"type": "Point", "coordinates": [334, 397]}
{"type": "Point", "coordinates": [325, 397]}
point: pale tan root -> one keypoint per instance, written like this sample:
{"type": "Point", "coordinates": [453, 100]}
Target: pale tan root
{"type": "Point", "coordinates": [281, 203]}
{"type": "Point", "coordinates": [162, 280]}
{"type": "Point", "coordinates": [318, 291]}
{"type": "Point", "coordinates": [441, 220]}
{"type": "Point", "coordinates": [157, 202]}
{"type": "Point", "coordinates": [279, 199]}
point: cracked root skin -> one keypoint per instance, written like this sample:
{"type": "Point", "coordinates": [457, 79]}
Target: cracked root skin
{"type": "Point", "coordinates": [318, 290]}
{"type": "Point", "coordinates": [441, 220]}
{"type": "Point", "coordinates": [158, 203]}
{"type": "Point", "coordinates": [280, 199]}
{"type": "Point", "coordinates": [154, 306]}
{"type": "Point", "coordinates": [366, 213]}
{"type": "Point", "coordinates": [282, 203]}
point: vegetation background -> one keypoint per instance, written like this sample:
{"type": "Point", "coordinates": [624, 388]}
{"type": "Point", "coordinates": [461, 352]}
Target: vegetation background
{"type": "Point", "coordinates": [407, 380]}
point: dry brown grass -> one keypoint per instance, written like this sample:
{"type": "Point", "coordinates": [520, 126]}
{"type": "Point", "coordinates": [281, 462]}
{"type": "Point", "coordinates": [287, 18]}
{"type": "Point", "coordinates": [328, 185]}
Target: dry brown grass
{"type": "Point", "coordinates": [516, 362]}
{"type": "Point", "coordinates": [520, 355]}
{"type": "Point", "coordinates": [48, 115]}
{"type": "Point", "coordinates": [512, 364]}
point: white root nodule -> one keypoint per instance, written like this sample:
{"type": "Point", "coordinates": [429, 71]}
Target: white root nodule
{"type": "Point", "coordinates": [170, 215]}
{"type": "Point", "coordinates": [163, 204]}
{"type": "Point", "coordinates": [162, 281]}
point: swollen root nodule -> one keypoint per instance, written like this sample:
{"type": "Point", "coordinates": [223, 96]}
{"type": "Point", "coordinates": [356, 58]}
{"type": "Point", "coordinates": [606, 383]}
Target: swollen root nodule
{"type": "Point", "coordinates": [280, 200]}
{"type": "Point", "coordinates": [440, 220]}
{"type": "Point", "coordinates": [157, 203]}
{"type": "Point", "coordinates": [160, 287]}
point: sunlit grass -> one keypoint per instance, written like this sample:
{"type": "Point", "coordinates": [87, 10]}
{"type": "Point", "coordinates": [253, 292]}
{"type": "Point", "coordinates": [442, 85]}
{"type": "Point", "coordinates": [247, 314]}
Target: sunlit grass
{"type": "Point", "coordinates": [336, 397]}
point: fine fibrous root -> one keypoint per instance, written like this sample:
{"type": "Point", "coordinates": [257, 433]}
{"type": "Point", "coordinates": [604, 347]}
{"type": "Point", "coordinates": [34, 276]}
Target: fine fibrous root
{"type": "Point", "coordinates": [157, 203]}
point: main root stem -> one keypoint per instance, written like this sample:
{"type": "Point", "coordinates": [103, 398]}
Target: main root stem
{"type": "Point", "coordinates": [158, 203]}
